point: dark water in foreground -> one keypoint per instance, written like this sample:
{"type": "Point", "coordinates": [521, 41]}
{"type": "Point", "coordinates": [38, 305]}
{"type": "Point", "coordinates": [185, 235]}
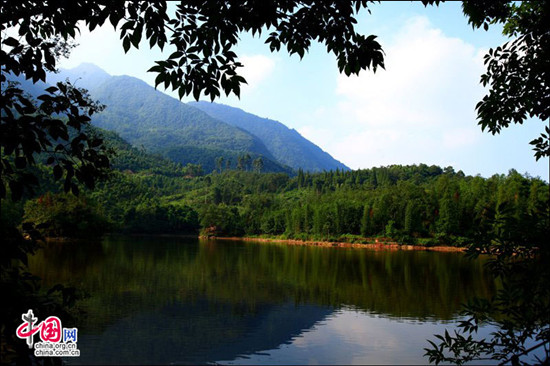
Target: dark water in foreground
{"type": "Point", "coordinates": [185, 301]}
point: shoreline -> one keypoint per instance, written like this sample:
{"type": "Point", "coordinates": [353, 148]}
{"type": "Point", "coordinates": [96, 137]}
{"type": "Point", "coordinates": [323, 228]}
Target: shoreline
{"type": "Point", "coordinates": [329, 244]}
{"type": "Point", "coordinates": [382, 245]}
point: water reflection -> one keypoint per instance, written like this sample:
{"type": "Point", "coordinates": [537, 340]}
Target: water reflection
{"type": "Point", "coordinates": [196, 333]}
{"type": "Point", "coordinates": [354, 337]}
{"type": "Point", "coordinates": [183, 301]}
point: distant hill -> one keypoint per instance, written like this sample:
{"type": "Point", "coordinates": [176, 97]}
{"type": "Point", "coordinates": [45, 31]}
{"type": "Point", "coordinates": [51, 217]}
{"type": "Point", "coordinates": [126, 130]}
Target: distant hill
{"type": "Point", "coordinates": [149, 119]}
{"type": "Point", "coordinates": [144, 116]}
{"type": "Point", "coordinates": [198, 133]}
{"type": "Point", "coordinates": [33, 89]}
{"type": "Point", "coordinates": [286, 145]}
{"type": "Point", "coordinates": [86, 75]}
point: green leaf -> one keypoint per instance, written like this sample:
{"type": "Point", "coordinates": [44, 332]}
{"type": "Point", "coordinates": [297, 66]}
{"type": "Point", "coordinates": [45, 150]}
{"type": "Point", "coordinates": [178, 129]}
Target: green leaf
{"type": "Point", "coordinates": [126, 44]}
{"type": "Point", "coordinates": [136, 36]}
{"type": "Point", "coordinates": [10, 41]}
{"type": "Point", "coordinates": [156, 68]}
{"type": "Point", "coordinates": [159, 79]}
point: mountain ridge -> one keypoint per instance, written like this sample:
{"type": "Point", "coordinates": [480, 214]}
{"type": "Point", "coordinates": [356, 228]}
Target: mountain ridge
{"type": "Point", "coordinates": [148, 118]}
{"type": "Point", "coordinates": [193, 132]}
{"type": "Point", "coordinates": [286, 144]}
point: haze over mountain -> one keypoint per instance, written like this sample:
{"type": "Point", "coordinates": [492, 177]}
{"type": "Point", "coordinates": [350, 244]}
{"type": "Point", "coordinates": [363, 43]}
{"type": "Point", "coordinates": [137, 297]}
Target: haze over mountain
{"type": "Point", "coordinates": [198, 133]}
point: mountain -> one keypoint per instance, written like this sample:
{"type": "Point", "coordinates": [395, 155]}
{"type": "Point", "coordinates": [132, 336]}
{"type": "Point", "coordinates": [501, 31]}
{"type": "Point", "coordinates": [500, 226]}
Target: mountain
{"type": "Point", "coordinates": [33, 89]}
{"type": "Point", "coordinates": [163, 125]}
{"type": "Point", "coordinates": [198, 133]}
{"type": "Point", "coordinates": [144, 116]}
{"type": "Point", "coordinates": [286, 145]}
{"type": "Point", "coordinates": [86, 75]}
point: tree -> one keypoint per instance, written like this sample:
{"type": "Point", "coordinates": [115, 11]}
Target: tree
{"type": "Point", "coordinates": [411, 215]}
{"type": "Point", "coordinates": [193, 170]}
{"type": "Point", "coordinates": [519, 312]}
{"type": "Point", "coordinates": [258, 164]}
{"type": "Point", "coordinates": [228, 164]}
{"type": "Point", "coordinates": [517, 72]}
{"type": "Point", "coordinates": [150, 217]}
{"type": "Point", "coordinates": [29, 128]}
{"type": "Point", "coordinates": [448, 220]}
{"type": "Point", "coordinates": [64, 215]}
{"type": "Point", "coordinates": [366, 221]}
{"type": "Point", "coordinates": [517, 75]}
{"type": "Point", "coordinates": [219, 163]}
{"type": "Point", "coordinates": [246, 161]}
{"type": "Point", "coordinates": [240, 162]}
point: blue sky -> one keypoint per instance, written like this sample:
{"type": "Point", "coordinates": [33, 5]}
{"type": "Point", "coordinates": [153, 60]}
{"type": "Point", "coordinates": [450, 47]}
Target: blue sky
{"type": "Point", "coordinates": [419, 110]}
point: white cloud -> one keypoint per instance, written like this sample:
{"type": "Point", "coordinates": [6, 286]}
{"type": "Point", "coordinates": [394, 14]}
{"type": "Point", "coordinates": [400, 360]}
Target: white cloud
{"type": "Point", "coordinates": [256, 69]}
{"type": "Point", "coordinates": [420, 109]}
{"type": "Point", "coordinates": [103, 48]}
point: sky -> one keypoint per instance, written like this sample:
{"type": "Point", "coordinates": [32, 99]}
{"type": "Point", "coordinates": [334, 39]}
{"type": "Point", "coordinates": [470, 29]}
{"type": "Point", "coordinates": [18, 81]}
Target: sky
{"type": "Point", "coordinates": [420, 109]}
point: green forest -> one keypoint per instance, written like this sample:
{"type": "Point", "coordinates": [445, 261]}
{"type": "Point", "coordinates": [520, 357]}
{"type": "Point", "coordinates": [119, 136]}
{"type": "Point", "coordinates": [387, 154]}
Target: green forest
{"type": "Point", "coordinates": [418, 204]}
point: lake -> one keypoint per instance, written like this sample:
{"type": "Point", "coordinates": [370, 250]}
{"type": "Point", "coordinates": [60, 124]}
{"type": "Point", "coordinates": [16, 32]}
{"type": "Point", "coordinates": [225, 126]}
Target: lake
{"type": "Point", "coordinates": [160, 300]}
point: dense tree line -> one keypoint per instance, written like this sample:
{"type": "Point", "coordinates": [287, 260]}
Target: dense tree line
{"type": "Point", "coordinates": [64, 215]}
{"type": "Point", "coordinates": [406, 203]}
{"type": "Point", "coordinates": [410, 204]}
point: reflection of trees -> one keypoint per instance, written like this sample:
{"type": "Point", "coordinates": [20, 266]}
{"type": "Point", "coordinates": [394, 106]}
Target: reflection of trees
{"type": "Point", "coordinates": [126, 275]}
{"type": "Point", "coordinates": [400, 284]}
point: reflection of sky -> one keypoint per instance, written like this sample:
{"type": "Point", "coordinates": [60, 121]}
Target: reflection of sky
{"type": "Point", "coordinates": [353, 337]}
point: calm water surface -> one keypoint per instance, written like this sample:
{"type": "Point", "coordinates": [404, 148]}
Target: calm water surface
{"type": "Point", "coordinates": [189, 301]}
